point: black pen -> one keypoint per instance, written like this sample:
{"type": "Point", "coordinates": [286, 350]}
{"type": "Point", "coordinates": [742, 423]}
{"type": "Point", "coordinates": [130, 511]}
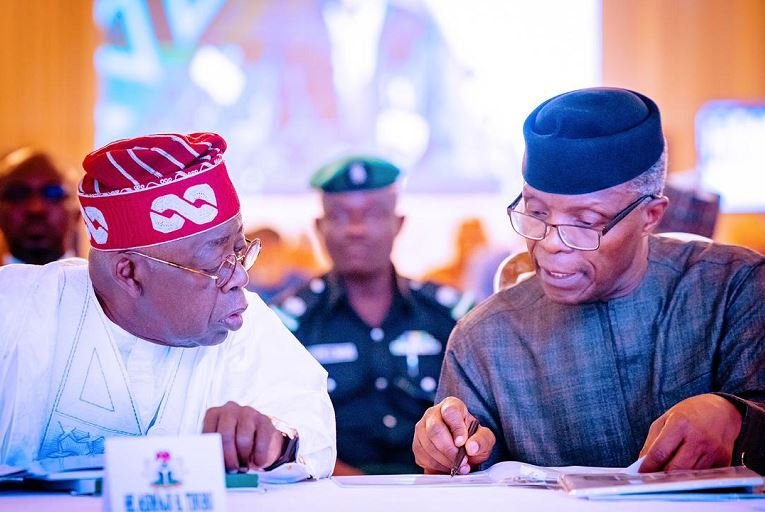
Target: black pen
{"type": "Point", "coordinates": [461, 452]}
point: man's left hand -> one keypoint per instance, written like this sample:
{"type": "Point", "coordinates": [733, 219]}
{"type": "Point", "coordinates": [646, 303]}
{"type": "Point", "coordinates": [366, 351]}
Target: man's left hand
{"type": "Point", "coordinates": [697, 433]}
{"type": "Point", "coordinates": [249, 438]}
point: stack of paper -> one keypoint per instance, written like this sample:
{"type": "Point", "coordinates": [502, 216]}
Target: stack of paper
{"type": "Point", "coordinates": [590, 482]}
{"type": "Point", "coordinates": [605, 484]}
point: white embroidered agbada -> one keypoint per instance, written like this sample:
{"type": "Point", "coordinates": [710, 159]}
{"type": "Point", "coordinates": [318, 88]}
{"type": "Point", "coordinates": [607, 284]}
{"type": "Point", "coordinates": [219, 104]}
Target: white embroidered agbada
{"type": "Point", "coordinates": [69, 377]}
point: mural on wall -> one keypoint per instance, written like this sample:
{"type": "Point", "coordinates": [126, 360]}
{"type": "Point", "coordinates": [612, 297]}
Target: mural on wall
{"type": "Point", "coordinates": [439, 87]}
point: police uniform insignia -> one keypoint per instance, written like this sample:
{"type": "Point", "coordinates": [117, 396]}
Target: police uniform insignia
{"type": "Point", "coordinates": [331, 353]}
{"type": "Point", "coordinates": [412, 345]}
{"type": "Point", "coordinates": [447, 296]}
{"type": "Point", "coordinates": [295, 306]}
{"type": "Point", "coordinates": [458, 303]}
{"type": "Point", "coordinates": [465, 302]}
{"type": "Point", "coordinates": [317, 285]}
{"type": "Point", "coordinates": [428, 384]}
{"type": "Point", "coordinates": [357, 173]}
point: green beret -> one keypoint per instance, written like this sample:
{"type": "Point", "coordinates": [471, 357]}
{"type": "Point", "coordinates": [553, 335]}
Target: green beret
{"type": "Point", "coordinates": [355, 173]}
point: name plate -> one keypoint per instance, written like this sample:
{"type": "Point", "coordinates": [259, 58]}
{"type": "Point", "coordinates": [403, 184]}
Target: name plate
{"type": "Point", "coordinates": [168, 474]}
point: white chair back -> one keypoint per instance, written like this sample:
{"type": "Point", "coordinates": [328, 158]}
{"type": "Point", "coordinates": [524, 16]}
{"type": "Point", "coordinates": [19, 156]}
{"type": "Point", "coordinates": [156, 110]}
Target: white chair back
{"type": "Point", "coordinates": [685, 237]}
{"type": "Point", "coordinates": [515, 268]}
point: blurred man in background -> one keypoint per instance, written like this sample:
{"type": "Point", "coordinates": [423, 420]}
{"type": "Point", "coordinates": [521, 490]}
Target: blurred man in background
{"type": "Point", "coordinates": [379, 335]}
{"type": "Point", "coordinates": [38, 212]}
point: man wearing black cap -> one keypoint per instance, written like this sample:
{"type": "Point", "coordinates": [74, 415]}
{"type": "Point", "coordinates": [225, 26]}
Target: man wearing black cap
{"type": "Point", "coordinates": [379, 335]}
{"type": "Point", "coordinates": [623, 344]}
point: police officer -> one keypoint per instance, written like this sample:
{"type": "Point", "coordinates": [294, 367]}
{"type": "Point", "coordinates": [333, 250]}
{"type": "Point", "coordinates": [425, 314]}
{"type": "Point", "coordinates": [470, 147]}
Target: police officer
{"type": "Point", "coordinates": [380, 336]}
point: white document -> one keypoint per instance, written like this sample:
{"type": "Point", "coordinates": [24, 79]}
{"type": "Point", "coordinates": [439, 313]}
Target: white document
{"type": "Point", "coordinates": [10, 470]}
{"type": "Point", "coordinates": [592, 484]}
{"type": "Point", "coordinates": [508, 473]}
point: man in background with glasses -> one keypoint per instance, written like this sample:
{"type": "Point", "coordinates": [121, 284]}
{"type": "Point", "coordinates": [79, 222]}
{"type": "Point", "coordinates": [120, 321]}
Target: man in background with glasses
{"type": "Point", "coordinates": [155, 334]}
{"type": "Point", "coordinates": [623, 344]}
{"type": "Point", "coordinates": [38, 211]}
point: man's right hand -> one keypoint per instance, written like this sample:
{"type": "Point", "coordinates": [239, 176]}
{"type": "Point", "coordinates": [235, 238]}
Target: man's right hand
{"type": "Point", "coordinates": [442, 430]}
{"type": "Point", "coordinates": [250, 440]}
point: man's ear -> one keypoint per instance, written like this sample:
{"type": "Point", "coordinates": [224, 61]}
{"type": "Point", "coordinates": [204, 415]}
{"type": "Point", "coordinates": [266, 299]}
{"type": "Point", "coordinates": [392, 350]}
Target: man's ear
{"type": "Point", "coordinates": [124, 273]}
{"type": "Point", "coordinates": [654, 212]}
{"type": "Point", "coordinates": [320, 226]}
{"type": "Point", "coordinates": [399, 223]}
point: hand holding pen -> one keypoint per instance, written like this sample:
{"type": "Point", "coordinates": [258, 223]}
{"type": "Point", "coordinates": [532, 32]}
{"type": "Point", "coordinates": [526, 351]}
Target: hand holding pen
{"type": "Point", "coordinates": [443, 439]}
{"type": "Point", "coordinates": [462, 452]}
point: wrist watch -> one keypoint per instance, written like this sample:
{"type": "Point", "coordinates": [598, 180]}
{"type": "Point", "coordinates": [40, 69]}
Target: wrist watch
{"type": "Point", "coordinates": [289, 443]}
{"type": "Point", "coordinates": [289, 450]}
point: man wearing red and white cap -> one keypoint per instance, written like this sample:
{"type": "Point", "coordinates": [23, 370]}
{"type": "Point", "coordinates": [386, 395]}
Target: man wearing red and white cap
{"type": "Point", "coordinates": [155, 334]}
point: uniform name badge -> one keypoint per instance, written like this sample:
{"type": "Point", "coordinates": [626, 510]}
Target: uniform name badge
{"type": "Point", "coordinates": [412, 345]}
{"type": "Point", "coordinates": [171, 474]}
{"type": "Point", "coordinates": [333, 353]}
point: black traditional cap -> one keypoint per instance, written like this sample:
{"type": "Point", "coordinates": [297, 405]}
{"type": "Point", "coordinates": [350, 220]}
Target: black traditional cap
{"type": "Point", "coordinates": [355, 173]}
{"type": "Point", "coordinates": [591, 139]}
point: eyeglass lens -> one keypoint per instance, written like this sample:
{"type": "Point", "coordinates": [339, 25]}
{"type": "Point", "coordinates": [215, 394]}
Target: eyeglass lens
{"type": "Point", "coordinates": [247, 259]}
{"type": "Point", "coordinates": [573, 236]}
{"type": "Point", "coordinates": [579, 238]}
{"type": "Point", "coordinates": [20, 192]}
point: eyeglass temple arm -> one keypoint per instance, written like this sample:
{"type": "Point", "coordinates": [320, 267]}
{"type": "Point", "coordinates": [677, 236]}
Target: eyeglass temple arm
{"type": "Point", "coordinates": [174, 265]}
{"type": "Point", "coordinates": [515, 201]}
{"type": "Point", "coordinates": [626, 212]}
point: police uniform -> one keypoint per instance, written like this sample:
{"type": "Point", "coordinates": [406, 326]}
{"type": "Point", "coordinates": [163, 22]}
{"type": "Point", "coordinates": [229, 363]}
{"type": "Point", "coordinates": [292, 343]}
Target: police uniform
{"type": "Point", "coordinates": [381, 379]}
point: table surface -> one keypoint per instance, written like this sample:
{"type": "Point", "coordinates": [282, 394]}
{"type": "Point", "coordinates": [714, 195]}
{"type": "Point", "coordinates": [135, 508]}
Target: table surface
{"type": "Point", "coordinates": [327, 495]}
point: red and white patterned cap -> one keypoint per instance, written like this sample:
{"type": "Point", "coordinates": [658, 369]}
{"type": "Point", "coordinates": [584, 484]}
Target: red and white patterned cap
{"type": "Point", "coordinates": [155, 189]}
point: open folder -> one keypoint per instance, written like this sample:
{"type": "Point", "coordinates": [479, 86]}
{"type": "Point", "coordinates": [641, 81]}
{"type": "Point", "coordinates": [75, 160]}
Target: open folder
{"type": "Point", "coordinates": [76, 475]}
{"type": "Point", "coordinates": [579, 481]}
{"type": "Point", "coordinates": [505, 473]}
{"type": "Point", "coordinates": [736, 478]}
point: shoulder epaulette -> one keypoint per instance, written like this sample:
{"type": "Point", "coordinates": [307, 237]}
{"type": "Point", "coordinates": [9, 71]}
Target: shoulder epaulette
{"type": "Point", "coordinates": [457, 303]}
{"type": "Point", "coordinates": [294, 305]}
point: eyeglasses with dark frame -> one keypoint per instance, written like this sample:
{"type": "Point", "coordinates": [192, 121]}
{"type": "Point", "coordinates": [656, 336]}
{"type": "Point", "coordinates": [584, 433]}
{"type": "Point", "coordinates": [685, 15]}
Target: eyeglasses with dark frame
{"type": "Point", "coordinates": [16, 193]}
{"type": "Point", "coordinates": [246, 257]}
{"type": "Point", "coordinates": [581, 238]}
